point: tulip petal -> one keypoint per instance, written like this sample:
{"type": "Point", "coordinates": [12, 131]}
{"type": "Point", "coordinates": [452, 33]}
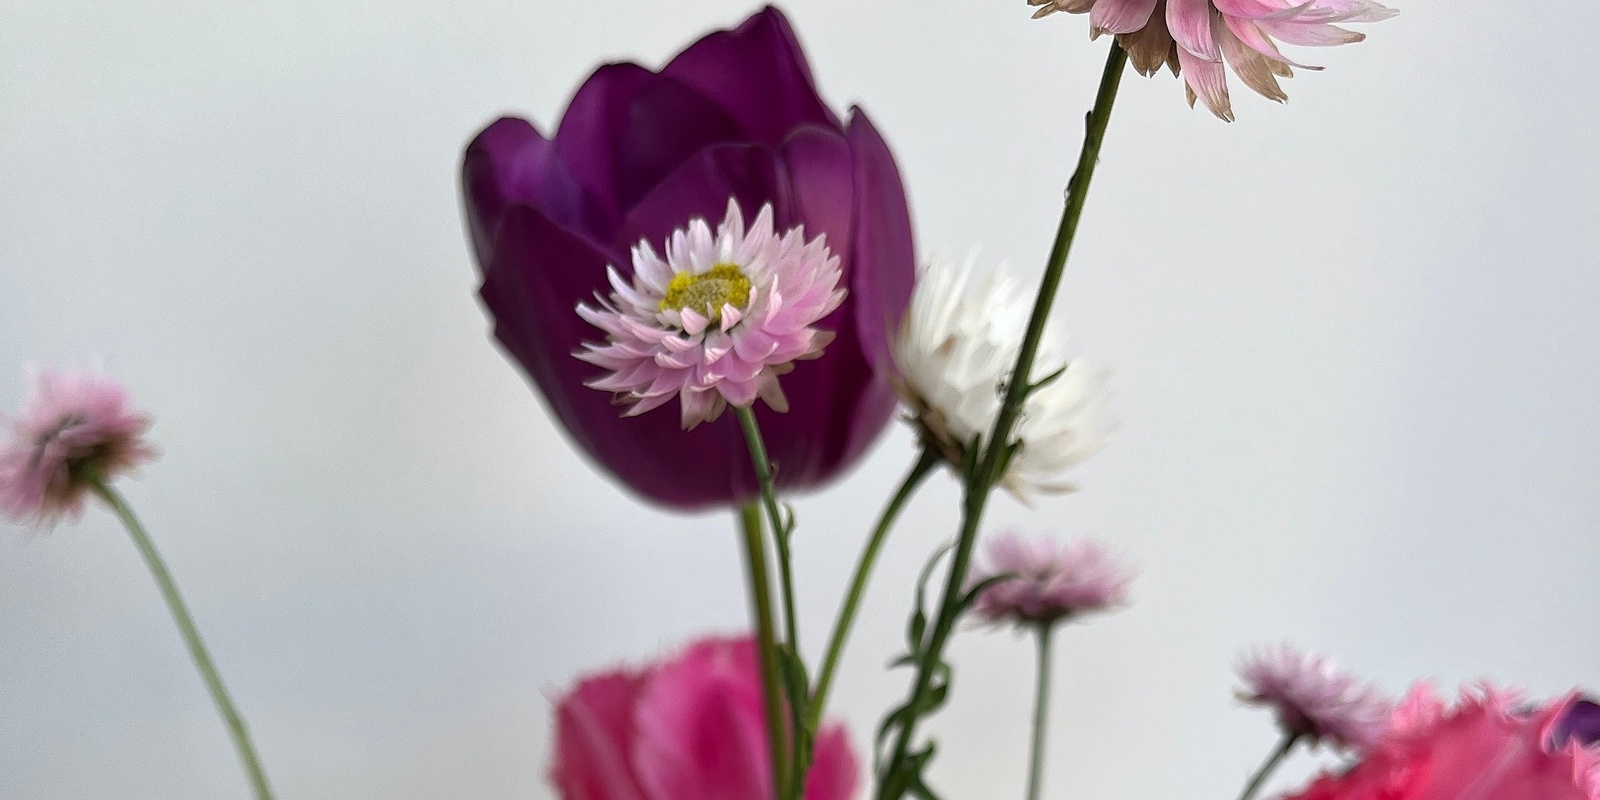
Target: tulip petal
{"type": "Point", "coordinates": [668, 123]}
{"type": "Point", "coordinates": [700, 726]}
{"type": "Point", "coordinates": [833, 773]}
{"type": "Point", "coordinates": [594, 733]}
{"type": "Point", "coordinates": [758, 74]}
{"type": "Point", "coordinates": [591, 131]}
{"type": "Point", "coordinates": [510, 162]}
{"type": "Point", "coordinates": [883, 239]}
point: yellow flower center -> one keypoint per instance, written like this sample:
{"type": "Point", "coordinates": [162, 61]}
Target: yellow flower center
{"type": "Point", "coordinates": [707, 292]}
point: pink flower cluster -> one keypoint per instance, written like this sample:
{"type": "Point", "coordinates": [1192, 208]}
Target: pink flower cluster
{"type": "Point", "coordinates": [689, 728]}
{"type": "Point", "coordinates": [1315, 699]}
{"type": "Point", "coordinates": [1194, 37]}
{"type": "Point", "coordinates": [1050, 581]}
{"type": "Point", "coordinates": [73, 426]}
{"type": "Point", "coordinates": [1488, 746]}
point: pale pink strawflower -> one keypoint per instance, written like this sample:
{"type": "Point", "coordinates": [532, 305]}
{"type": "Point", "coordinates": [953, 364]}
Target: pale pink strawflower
{"type": "Point", "coordinates": [1313, 698]}
{"type": "Point", "coordinates": [74, 426]}
{"type": "Point", "coordinates": [717, 320]}
{"type": "Point", "coordinates": [1050, 581]}
{"type": "Point", "coordinates": [1195, 37]}
{"type": "Point", "coordinates": [1489, 745]}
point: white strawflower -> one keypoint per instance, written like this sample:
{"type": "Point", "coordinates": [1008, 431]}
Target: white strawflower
{"type": "Point", "coordinates": [955, 351]}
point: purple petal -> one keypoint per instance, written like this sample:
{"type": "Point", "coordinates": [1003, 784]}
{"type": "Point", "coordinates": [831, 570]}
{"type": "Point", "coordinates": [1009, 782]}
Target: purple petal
{"type": "Point", "coordinates": [884, 261]}
{"type": "Point", "coordinates": [668, 123]}
{"type": "Point", "coordinates": [591, 129]}
{"type": "Point", "coordinates": [758, 74]}
{"type": "Point", "coordinates": [700, 188]}
{"type": "Point", "coordinates": [1581, 723]}
{"type": "Point", "coordinates": [511, 163]}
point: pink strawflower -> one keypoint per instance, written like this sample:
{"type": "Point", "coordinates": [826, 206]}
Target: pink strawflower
{"type": "Point", "coordinates": [1313, 698]}
{"type": "Point", "coordinates": [1052, 581]}
{"type": "Point", "coordinates": [717, 320]}
{"type": "Point", "coordinates": [1195, 37]}
{"type": "Point", "coordinates": [1489, 746]}
{"type": "Point", "coordinates": [689, 728]}
{"type": "Point", "coordinates": [74, 425]}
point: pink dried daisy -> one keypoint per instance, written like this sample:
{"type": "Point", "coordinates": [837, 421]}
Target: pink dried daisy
{"type": "Point", "coordinates": [717, 320]}
{"type": "Point", "coordinates": [1313, 698]}
{"type": "Point", "coordinates": [1051, 581]}
{"type": "Point", "coordinates": [1195, 37]}
{"type": "Point", "coordinates": [74, 427]}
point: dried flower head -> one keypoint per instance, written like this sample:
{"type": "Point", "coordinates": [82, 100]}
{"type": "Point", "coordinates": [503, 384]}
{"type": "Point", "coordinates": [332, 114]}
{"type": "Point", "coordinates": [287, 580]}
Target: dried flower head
{"type": "Point", "coordinates": [74, 426]}
{"type": "Point", "coordinates": [717, 320]}
{"type": "Point", "coordinates": [1313, 698]}
{"type": "Point", "coordinates": [957, 345]}
{"type": "Point", "coordinates": [1049, 581]}
{"type": "Point", "coordinates": [1195, 37]}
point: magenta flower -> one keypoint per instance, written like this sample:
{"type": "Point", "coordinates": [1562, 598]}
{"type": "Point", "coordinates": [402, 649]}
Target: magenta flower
{"type": "Point", "coordinates": [1050, 581]}
{"type": "Point", "coordinates": [1487, 747]}
{"type": "Point", "coordinates": [716, 321]}
{"type": "Point", "coordinates": [1313, 698]}
{"type": "Point", "coordinates": [74, 427]}
{"type": "Point", "coordinates": [637, 156]}
{"type": "Point", "coordinates": [1195, 37]}
{"type": "Point", "coordinates": [689, 728]}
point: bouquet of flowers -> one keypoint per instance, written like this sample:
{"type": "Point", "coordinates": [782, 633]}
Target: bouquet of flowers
{"type": "Point", "coordinates": [709, 276]}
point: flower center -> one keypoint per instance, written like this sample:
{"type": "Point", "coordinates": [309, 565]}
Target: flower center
{"type": "Point", "coordinates": [707, 292]}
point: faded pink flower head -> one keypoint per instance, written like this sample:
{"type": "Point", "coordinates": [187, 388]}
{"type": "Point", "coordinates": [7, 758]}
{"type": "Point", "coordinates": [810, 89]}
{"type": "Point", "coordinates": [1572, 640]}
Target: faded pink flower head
{"type": "Point", "coordinates": [1313, 698]}
{"type": "Point", "coordinates": [73, 425]}
{"type": "Point", "coordinates": [717, 320]}
{"type": "Point", "coordinates": [1053, 581]}
{"type": "Point", "coordinates": [689, 728]}
{"type": "Point", "coordinates": [1195, 37]}
{"type": "Point", "coordinates": [1489, 746]}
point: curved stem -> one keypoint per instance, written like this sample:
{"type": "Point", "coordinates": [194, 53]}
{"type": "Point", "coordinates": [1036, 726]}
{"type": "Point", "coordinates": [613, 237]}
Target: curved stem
{"type": "Point", "coordinates": [1271, 764]}
{"type": "Point", "coordinates": [780, 530]}
{"type": "Point", "coordinates": [755, 559]}
{"type": "Point", "coordinates": [191, 637]}
{"type": "Point", "coordinates": [1041, 713]}
{"type": "Point", "coordinates": [858, 582]}
{"type": "Point", "coordinates": [894, 782]}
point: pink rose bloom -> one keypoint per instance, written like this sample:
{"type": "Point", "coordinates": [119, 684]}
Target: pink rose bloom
{"type": "Point", "coordinates": [690, 728]}
{"type": "Point", "coordinates": [1487, 747]}
{"type": "Point", "coordinates": [74, 426]}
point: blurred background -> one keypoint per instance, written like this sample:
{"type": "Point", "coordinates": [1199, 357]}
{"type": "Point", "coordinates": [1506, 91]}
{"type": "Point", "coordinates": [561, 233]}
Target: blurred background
{"type": "Point", "coordinates": [1354, 341]}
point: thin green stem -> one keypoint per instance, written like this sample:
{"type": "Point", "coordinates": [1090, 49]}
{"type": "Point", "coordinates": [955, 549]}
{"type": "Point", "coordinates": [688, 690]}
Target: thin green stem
{"type": "Point", "coordinates": [1270, 765]}
{"type": "Point", "coordinates": [191, 636]}
{"type": "Point", "coordinates": [858, 582]}
{"type": "Point", "coordinates": [780, 528]}
{"type": "Point", "coordinates": [755, 558]}
{"type": "Point", "coordinates": [1041, 713]}
{"type": "Point", "coordinates": [894, 782]}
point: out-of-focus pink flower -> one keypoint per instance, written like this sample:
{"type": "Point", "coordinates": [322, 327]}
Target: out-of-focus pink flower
{"type": "Point", "coordinates": [74, 425]}
{"type": "Point", "coordinates": [689, 728]}
{"type": "Point", "coordinates": [1052, 581]}
{"type": "Point", "coordinates": [1195, 37]}
{"type": "Point", "coordinates": [717, 320]}
{"type": "Point", "coordinates": [1489, 746]}
{"type": "Point", "coordinates": [1313, 698]}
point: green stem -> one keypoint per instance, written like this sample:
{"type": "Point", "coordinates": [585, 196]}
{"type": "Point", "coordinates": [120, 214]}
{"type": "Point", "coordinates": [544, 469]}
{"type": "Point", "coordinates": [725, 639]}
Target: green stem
{"type": "Point", "coordinates": [755, 557]}
{"type": "Point", "coordinates": [894, 782]}
{"type": "Point", "coordinates": [780, 529]}
{"type": "Point", "coordinates": [191, 636]}
{"type": "Point", "coordinates": [1041, 713]}
{"type": "Point", "coordinates": [858, 583]}
{"type": "Point", "coordinates": [1270, 765]}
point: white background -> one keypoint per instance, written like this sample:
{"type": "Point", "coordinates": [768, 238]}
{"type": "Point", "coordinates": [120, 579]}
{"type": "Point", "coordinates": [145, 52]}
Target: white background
{"type": "Point", "coordinates": [1354, 337]}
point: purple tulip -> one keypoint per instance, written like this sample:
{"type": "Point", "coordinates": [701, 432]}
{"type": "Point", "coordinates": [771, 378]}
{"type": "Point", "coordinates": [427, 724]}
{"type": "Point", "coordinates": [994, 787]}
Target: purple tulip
{"type": "Point", "coordinates": [640, 153]}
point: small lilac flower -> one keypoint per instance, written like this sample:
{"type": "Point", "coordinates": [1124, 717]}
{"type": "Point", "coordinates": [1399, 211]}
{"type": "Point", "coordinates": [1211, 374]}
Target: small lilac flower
{"type": "Point", "coordinates": [717, 320]}
{"type": "Point", "coordinates": [1051, 581]}
{"type": "Point", "coordinates": [1195, 37]}
{"type": "Point", "coordinates": [74, 427]}
{"type": "Point", "coordinates": [1315, 699]}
